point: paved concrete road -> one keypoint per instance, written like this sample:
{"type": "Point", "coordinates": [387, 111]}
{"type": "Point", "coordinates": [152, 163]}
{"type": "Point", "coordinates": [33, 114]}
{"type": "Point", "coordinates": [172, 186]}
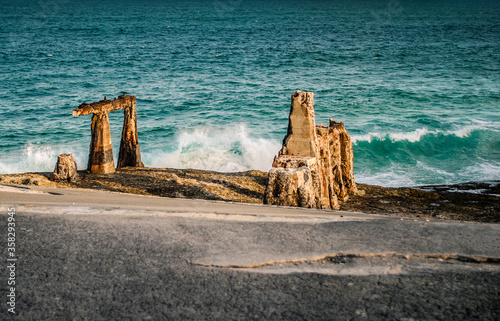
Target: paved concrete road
{"type": "Point", "coordinates": [89, 255]}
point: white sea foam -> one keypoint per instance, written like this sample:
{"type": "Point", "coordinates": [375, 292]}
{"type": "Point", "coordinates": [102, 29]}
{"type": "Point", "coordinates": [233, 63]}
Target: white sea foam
{"type": "Point", "coordinates": [477, 125]}
{"type": "Point", "coordinates": [490, 171]}
{"type": "Point", "coordinates": [39, 158]}
{"type": "Point", "coordinates": [229, 149]}
{"type": "Point", "coordinates": [412, 137]}
{"type": "Point", "coordinates": [397, 175]}
{"type": "Point", "coordinates": [434, 172]}
{"type": "Point", "coordinates": [417, 134]}
{"type": "Point", "coordinates": [389, 178]}
{"type": "Point", "coordinates": [366, 137]}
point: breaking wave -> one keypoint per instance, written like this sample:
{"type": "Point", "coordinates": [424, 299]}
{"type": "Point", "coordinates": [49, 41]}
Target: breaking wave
{"type": "Point", "coordinates": [423, 156]}
{"type": "Point", "coordinates": [420, 133]}
{"type": "Point", "coordinates": [40, 158]}
{"type": "Point", "coordinates": [419, 157]}
{"type": "Point", "coordinates": [229, 149]}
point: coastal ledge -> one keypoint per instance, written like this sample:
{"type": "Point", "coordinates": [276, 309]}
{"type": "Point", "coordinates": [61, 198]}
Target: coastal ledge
{"type": "Point", "coordinates": [476, 202]}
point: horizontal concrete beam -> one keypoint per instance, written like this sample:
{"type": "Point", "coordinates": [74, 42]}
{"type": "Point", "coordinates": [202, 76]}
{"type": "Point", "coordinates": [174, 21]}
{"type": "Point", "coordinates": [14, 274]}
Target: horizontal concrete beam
{"type": "Point", "coordinates": [104, 106]}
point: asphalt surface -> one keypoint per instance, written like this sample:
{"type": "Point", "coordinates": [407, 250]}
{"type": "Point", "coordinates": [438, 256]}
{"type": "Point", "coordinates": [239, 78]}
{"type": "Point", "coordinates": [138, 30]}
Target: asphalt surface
{"type": "Point", "coordinates": [87, 255]}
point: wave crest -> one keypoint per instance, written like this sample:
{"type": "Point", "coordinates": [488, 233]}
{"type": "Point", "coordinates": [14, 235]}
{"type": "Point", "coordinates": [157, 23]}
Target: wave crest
{"type": "Point", "coordinates": [419, 133]}
{"type": "Point", "coordinates": [40, 158]}
{"type": "Point", "coordinates": [229, 149]}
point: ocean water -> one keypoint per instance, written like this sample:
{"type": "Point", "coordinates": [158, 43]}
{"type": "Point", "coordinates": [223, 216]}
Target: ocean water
{"type": "Point", "coordinates": [416, 83]}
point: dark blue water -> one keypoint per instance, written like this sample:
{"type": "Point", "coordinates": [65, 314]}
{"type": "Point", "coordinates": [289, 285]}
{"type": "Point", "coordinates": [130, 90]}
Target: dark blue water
{"type": "Point", "coordinates": [417, 84]}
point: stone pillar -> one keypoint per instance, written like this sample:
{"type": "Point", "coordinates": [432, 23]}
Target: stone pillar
{"type": "Point", "coordinates": [101, 150]}
{"type": "Point", "coordinates": [130, 152]}
{"type": "Point", "coordinates": [314, 166]}
{"type": "Point", "coordinates": [300, 139]}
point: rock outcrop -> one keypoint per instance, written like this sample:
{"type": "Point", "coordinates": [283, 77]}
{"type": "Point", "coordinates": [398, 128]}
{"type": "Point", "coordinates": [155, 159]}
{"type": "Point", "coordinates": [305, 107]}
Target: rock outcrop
{"type": "Point", "coordinates": [65, 168]}
{"type": "Point", "coordinates": [101, 149]}
{"type": "Point", "coordinates": [314, 168]}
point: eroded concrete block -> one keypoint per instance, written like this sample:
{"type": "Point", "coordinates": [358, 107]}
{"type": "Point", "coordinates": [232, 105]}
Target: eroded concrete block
{"type": "Point", "coordinates": [101, 149]}
{"type": "Point", "coordinates": [66, 168]}
{"type": "Point", "coordinates": [314, 168]}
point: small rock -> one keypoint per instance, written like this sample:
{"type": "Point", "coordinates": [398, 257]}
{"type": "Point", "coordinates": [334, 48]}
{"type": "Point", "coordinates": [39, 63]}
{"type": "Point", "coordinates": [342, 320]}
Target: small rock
{"type": "Point", "coordinates": [65, 168]}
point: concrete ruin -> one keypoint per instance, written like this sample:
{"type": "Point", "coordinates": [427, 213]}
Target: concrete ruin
{"type": "Point", "coordinates": [101, 149]}
{"type": "Point", "coordinates": [66, 169]}
{"type": "Point", "coordinates": [314, 167]}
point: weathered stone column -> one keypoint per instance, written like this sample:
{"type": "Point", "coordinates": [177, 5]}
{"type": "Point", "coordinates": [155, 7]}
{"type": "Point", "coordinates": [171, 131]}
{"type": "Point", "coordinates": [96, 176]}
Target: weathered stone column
{"type": "Point", "coordinates": [297, 177]}
{"type": "Point", "coordinates": [101, 149]}
{"type": "Point", "coordinates": [300, 139]}
{"type": "Point", "coordinates": [130, 152]}
{"type": "Point", "coordinates": [314, 166]}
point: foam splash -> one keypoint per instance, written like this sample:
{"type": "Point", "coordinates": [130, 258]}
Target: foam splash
{"type": "Point", "coordinates": [390, 178]}
{"type": "Point", "coordinates": [412, 137]}
{"type": "Point", "coordinates": [233, 149]}
{"type": "Point", "coordinates": [224, 150]}
{"type": "Point", "coordinates": [490, 170]}
{"type": "Point", "coordinates": [397, 175]}
{"type": "Point", "coordinates": [39, 158]}
{"type": "Point", "coordinates": [479, 125]}
{"type": "Point", "coordinates": [417, 134]}
{"type": "Point", "coordinates": [229, 149]}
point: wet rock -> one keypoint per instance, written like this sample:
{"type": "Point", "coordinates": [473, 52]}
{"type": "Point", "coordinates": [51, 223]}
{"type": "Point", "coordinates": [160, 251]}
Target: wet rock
{"type": "Point", "coordinates": [300, 139]}
{"type": "Point", "coordinates": [65, 168]}
{"type": "Point", "coordinates": [314, 168]}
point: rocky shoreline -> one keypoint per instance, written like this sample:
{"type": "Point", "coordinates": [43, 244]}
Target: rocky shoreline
{"type": "Point", "coordinates": [475, 202]}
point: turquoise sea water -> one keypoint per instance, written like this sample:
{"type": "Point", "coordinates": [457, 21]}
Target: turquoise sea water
{"type": "Point", "coordinates": [416, 83]}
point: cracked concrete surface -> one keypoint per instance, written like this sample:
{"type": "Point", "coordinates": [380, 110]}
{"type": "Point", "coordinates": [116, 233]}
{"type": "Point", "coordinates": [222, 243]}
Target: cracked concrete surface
{"type": "Point", "coordinates": [101, 256]}
{"type": "Point", "coordinates": [342, 258]}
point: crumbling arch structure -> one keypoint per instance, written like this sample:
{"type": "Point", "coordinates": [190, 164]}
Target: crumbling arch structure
{"type": "Point", "coordinates": [101, 149]}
